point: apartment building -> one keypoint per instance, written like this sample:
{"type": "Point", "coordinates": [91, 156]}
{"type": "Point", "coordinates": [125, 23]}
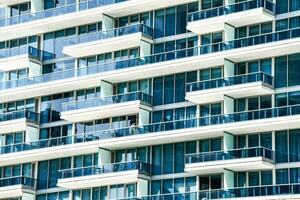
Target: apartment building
{"type": "Point", "coordinates": [149, 99]}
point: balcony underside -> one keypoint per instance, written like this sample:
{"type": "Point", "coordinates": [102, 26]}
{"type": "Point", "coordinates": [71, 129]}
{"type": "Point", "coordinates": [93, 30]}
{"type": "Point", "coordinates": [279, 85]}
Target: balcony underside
{"type": "Point", "coordinates": [156, 69]}
{"type": "Point", "coordinates": [16, 125]}
{"type": "Point", "coordinates": [104, 111]}
{"type": "Point", "coordinates": [106, 45]}
{"type": "Point", "coordinates": [98, 180]}
{"type": "Point", "coordinates": [93, 15]}
{"type": "Point", "coordinates": [14, 62]}
{"type": "Point", "coordinates": [215, 24]}
{"type": "Point", "coordinates": [242, 164]}
{"type": "Point", "coordinates": [204, 132]}
{"type": "Point", "coordinates": [235, 91]}
{"type": "Point", "coordinates": [14, 191]}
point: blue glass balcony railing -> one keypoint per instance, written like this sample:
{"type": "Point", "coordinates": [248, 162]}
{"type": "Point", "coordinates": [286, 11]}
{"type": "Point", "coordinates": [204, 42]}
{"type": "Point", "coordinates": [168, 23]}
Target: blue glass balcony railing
{"type": "Point", "coordinates": [232, 8]}
{"type": "Point", "coordinates": [28, 115]}
{"type": "Point", "coordinates": [230, 81]}
{"type": "Point", "coordinates": [157, 58]}
{"type": "Point", "coordinates": [229, 155]}
{"type": "Point", "coordinates": [40, 144]}
{"type": "Point", "coordinates": [32, 52]}
{"type": "Point", "coordinates": [120, 98]}
{"type": "Point", "coordinates": [135, 28]}
{"type": "Point", "coordinates": [254, 191]}
{"type": "Point", "coordinates": [71, 8]}
{"type": "Point", "coordinates": [153, 128]}
{"type": "Point", "coordinates": [144, 168]}
{"type": "Point", "coordinates": [26, 182]}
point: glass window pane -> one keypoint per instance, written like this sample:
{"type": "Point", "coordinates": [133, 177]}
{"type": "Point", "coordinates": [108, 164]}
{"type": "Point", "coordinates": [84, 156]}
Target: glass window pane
{"type": "Point", "coordinates": [281, 146]}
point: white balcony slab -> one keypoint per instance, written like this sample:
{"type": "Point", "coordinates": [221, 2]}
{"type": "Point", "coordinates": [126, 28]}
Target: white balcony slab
{"type": "Point", "coordinates": [235, 91]}
{"type": "Point", "coordinates": [156, 69]}
{"type": "Point", "coordinates": [14, 191]}
{"type": "Point", "coordinates": [215, 24]}
{"type": "Point", "coordinates": [239, 164]}
{"type": "Point", "coordinates": [270, 197]}
{"type": "Point", "coordinates": [16, 125]}
{"type": "Point", "coordinates": [12, 2]}
{"type": "Point", "coordinates": [105, 45]}
{"type": "Point", "coordinates": [204, 132]}
{"type": "Point", "coordinates": [104, 111]}
{"type": "Point", "coordinates": [53, 152]}
{"type": "Point", "coordinates": [93, 15]}
{"type": "Point", "coordinates": [49, 87]}
{"type": "Point", "coordinates": [14, 62]}
{"type": "Point", "coordinates": [104, 179]}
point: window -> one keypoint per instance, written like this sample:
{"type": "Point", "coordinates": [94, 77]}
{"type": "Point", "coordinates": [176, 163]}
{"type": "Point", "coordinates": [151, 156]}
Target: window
{"type": "Point", "coordinates": [281, 6]}
{"type": "Point", "coordinates": [282, 176]}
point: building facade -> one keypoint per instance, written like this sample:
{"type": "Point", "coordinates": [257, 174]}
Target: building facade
{"type": "Point", "coordinates": [149, 99]}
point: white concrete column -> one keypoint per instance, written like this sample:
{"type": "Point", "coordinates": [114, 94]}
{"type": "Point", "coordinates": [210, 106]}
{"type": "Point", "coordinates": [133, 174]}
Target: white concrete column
{"type": "Point", "coordinates": [73, 132]}
{"type": "Point", "coordinates": [104, 156]}
{"type": "Point", "coordinates": [228, 105]}
{"type": "Point", "coordinates": [107, 22]}
{"type": "Point", "coordinates": [145, 49]}
{"type": "Point", "coordinates": [144, 117]}
{"type": "Point", "coordinates": [228, 32]}
{"type": "Point", "coordinates": [228, 68]}
{"type": "Point", "coordinates": [28, 196]}
{"type": "Point", "coordinates": [106, 89]}
{"type": "Point", "coordinates": [2, 140]}
{"type": "Point", "coordinates": [141, 187]}
{"type": "Point", "coordinates": [35, 69]}
{"type": "Point", "coordinates": [36, 6]}
{"type": "Point", "coordinates": [228, 141]}
{"type": "Point", "coordinates": [5, 76]}
{"type": "Point", "coordinates": [228, 2]}
{"type": "Point", "coordinates": [31, 134]}
{"type": "Point", "coordinates": [228, 179]}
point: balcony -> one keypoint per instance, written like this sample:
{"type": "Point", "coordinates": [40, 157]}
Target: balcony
{"type": "Point", "coordinates": [16, 58]}
{"type": "Point", "coordinates": [51, 148]}
{"type": "Point", "coordinates": [18, 121]}
{"type": "Point", "coordinates": [240, 86]}
{"type": "Point", "coordinates": [257, 158]}
{"type": "Point", "coordinates": [200, 128]}
{"type": "Point", "coordinates": [270, 192]}
{"type": "Point", "coordinates": [251, 48]}
{"type": "Point", "coordinates": [104, 107]}
{"type": "Point", "coordinates": [72, 15]}
{"type": "Point", "coordinates": [106, 41]}
{"type": "Point", "coordinates": [238, 14]}
{"type": "Point", "coordinates": [16, 186]}
{"type": "Point", "coordinates": [152, 134]}
{"type": "Point", "coordinates": [110, 174]}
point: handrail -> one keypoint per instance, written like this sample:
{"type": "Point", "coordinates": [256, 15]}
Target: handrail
{"type": "Point", "coordinates": [155, 58]}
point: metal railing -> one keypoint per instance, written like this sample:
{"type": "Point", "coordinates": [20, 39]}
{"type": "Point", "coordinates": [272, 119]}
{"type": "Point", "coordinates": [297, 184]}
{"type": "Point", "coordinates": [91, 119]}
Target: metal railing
{"type": "Point", "coordinates": [101, 35]}
{"type": "Point", "coordinates": [255, 191]}
{"type": "Point", "coordinates": [58, 11]}
{"type": "Point", "coordinates": [120, 98]}
{"type": "Point", "coordinates": [229, 81]}
{"type": "Point", "coordinates": [143, 168]}
{"type": "Point", "coordinates": [155, 127]}
{"type": "Point", "coordinates": [230, 154]}
{"type": "Point", "coordinates": [26, 182]}
{"type": "Point", "coordinates": [28, 115]}
{"type": "Point", "coordinates": [232, 8]}
{"type": "Point", "coordinates": [156, 58]}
